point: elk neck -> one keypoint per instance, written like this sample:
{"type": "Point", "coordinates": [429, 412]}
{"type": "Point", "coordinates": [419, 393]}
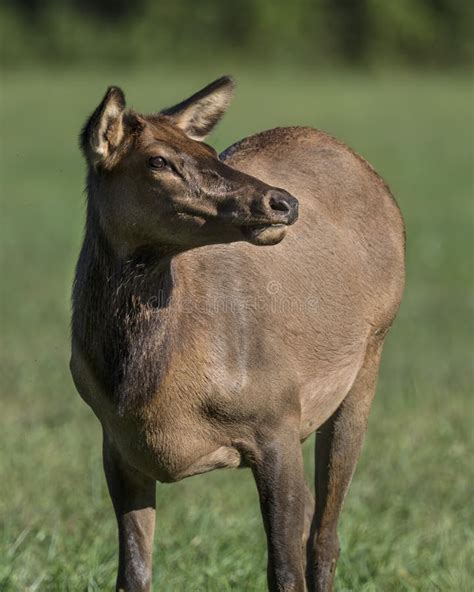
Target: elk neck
{"type": "Point", "coordinates": [122, 312]}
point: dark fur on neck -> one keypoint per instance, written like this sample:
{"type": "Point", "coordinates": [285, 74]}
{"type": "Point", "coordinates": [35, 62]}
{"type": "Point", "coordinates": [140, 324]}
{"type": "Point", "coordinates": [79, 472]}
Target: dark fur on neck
{"type": "Point", "coordinates": [121, 311]}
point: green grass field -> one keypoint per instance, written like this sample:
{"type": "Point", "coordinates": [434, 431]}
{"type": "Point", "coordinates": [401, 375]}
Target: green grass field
{"type": "Point", "coordinates": [408, 523]}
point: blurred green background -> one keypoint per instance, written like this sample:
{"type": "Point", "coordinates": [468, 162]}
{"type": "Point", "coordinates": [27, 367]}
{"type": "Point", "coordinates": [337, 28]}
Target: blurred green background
{"type": "Point", "coordinates": [391, 79]}
{"type": "Point", "coordinates": [431, 33]}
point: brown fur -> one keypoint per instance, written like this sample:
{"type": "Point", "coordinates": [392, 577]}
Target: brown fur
{"type": "Point", "coordinates": [195, 354]}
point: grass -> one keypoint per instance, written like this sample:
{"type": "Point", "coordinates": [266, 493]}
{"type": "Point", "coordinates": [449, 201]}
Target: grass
{"type": "Point", "coordinates": [408, 520]}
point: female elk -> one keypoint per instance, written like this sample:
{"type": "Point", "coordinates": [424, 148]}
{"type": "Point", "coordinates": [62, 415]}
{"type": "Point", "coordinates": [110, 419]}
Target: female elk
{"type": "Point", "coordinates": [183, 342]}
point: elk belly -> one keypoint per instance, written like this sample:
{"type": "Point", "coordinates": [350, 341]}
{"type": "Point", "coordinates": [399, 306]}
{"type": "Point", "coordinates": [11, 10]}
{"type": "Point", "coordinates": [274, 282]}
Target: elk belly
{"type": "Point", "coordinates": [223, 457]}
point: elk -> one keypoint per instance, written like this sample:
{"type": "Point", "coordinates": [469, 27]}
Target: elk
{"type": "Point", "coordinates": [210, 331]}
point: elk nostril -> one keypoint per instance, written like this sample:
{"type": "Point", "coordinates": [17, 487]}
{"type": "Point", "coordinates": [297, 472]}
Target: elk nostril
{"type": "Point", "coordinates": [283, 205]}
{"type": "Point", "coordinates": [279, 204]}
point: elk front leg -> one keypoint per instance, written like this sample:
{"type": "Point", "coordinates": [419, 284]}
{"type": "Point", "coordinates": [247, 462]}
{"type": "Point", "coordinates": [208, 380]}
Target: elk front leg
{"type": "Point", "coordinates": [278, 472]}
{"type": "Point", "coordinates": [338, 444]}
{"type": "Point", "coordinates": [133, 497]}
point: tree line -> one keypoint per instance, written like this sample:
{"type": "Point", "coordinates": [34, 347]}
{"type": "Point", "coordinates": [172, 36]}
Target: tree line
{"type": "Point", "coordinates": [428, 33]}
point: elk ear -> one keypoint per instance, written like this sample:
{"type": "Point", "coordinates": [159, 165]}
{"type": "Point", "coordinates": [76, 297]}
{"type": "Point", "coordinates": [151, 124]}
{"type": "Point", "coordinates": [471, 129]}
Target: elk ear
{"type": "Point", "coordinates": [198, 115]}
{"type": "Point", "coordinates": [104, 131]}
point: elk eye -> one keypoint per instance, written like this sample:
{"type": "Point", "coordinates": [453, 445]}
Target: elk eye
{"type": "Point", "coordinates": [157, 162]}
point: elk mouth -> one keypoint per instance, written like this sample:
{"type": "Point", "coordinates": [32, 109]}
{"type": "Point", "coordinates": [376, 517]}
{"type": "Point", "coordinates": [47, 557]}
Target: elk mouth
{"type": "Point", "coordinates": [264, 234]}
{"type": "Point", "coordinates": [280, 210]}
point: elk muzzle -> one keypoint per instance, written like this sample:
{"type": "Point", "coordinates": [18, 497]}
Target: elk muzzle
{"type": "Point", "coordinates": [280, 209]}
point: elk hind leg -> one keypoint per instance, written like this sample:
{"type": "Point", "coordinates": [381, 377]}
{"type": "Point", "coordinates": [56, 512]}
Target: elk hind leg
{"type": "Point", "coordinates": [338, 444]}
